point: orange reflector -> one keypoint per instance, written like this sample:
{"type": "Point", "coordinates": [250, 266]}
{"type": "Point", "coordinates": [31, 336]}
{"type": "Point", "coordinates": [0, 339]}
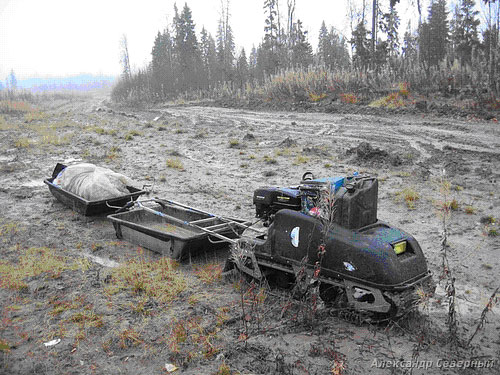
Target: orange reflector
{"type": "Point", "coordinates": [400, 247]}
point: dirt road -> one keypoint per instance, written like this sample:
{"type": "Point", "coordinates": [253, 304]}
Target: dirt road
{"type": "Point", "coordinates": [214, 158]}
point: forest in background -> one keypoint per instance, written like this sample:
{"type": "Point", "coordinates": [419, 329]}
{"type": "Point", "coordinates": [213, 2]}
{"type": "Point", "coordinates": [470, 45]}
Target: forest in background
{"type": "Point", "coordinates": [452, 52]}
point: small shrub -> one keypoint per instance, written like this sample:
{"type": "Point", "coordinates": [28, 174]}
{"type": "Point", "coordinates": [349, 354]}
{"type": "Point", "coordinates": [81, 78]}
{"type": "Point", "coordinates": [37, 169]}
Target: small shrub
{"type": "Point", "coordinates": [223, 369]}
{"type": "Point", "coordinates": [348, 98]}
{"type": "Point", "coordinates": [404, 89]}
{"type": "Point", "coordinates": [316, 98]}
{"type": "Point", "coordinates": [451, 205]}
{"type": "Point", "coordinates": [4, 345]}
{"type": "Point", "coordinates": [233, 143]}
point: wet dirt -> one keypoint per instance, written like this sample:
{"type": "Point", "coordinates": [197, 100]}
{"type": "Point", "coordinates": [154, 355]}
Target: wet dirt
{"type": "Point", "coordinates": [218, 157]}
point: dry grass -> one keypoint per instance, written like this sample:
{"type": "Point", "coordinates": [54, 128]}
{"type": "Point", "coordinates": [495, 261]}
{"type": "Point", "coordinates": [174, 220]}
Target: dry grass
{"type": "Point", "coordinates": [313, 84]}
{"type": "Point", "coordinates": [410, 196]}
{"type": "Point", "coordinates": [113, 153]}
{"type": "Point", "coordinates": [452, 205]}
{"type": "Point", "coordinates": [49, 136]}
{"type": "Point", "coordinates": [131, 134]}
{"type": "Point", "coordinates": [23, 142]}
{"type": "Point", "coordinates": [192, 339]}
{"type": "Point", "coordinates": [129, 337]}
{"type": "Point", "coordinates": [4, 125]}
{"type": "Point", "coordinates": [35, 116]}
{"type": "Point", "coordinates": [470, 210]}
{"type": "Point", "coordinates": [287, 151]}
{"type": "Point", "coordinates": [157, 279]}
{"type": "Point", "coordinates": [301, 159]}
{"type": "Point", "coordinates": [209, 273]}
{"type": "Point", "coordinates": [15, 107]}
{"type": "Point", "coordinates": [33, 262]}
{"type": "Point", "coordinates": [9, 229]}
{"type": "Point", "coordinates": [348, 98]}
{"type": "Point", "coordinates": [269, 160]}
{"type": "Point", "coordinates": [175, 164]}
{"type": "Point", "coordinates": [398, 99]}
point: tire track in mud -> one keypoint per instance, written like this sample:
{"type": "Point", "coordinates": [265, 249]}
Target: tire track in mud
{"type": "Point", "coordinates": [396, 132]}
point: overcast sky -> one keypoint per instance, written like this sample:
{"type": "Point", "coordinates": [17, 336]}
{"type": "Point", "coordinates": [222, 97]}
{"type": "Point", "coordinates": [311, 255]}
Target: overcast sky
{"type": "Point", "coordinates": [63, 37]}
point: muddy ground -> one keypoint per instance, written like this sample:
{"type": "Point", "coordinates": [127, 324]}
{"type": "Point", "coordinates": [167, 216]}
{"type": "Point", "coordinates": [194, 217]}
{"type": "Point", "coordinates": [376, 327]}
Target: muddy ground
{"type": "Point", "coordinates": [213, 158]}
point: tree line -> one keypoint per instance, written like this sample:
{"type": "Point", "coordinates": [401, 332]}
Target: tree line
{"type": "Point", "coordinates": [450, 43]}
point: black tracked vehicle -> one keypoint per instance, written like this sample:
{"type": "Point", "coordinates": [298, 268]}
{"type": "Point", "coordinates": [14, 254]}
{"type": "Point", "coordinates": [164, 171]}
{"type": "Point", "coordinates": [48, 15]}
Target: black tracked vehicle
{"type": "Point", "coordinates": [365, 265]}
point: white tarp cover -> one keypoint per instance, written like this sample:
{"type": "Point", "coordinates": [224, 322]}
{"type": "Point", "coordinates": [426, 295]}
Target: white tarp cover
{"type": "Point", "coordinates": [93, 183]}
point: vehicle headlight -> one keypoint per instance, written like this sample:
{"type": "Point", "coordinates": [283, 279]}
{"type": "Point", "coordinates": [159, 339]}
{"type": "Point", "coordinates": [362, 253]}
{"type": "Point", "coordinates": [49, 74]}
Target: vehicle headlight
{"type": "Point", "coordinates": [400, 247]}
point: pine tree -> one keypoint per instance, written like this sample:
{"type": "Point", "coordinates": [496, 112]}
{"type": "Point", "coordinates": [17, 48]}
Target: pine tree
{"type": "Point", "coordinates": [323, 44]}
{"type": "Point", "coordinates": [12, 80]}
{"type": "Point", "coordinates": [434, 35]}
{"type": "Point", "coordinates": [187, 52]}
{"type": "Point", "coordinates": [332, 49]}
{"type": "Point", "coordinates": [242, 69]}
{"type": "Point", "coordinates": [161, 65]}
{"type": "Point", "coordinates": [269, 51]}
{"type": "Point", "coordinates": [409, 50]}
{"type": "Point", "coordinates": [301, 48]}
{"type": "Point", "coordinates": [225, 46]}
{"type": "Point", "coordinates": [389, 25]}
{"type": "Point", "coordinates": [253, 72]}
{"type": "Point", "coordinates": [464, 30]}
{"type": "Point", "coordinates": [361, 46]}
{"type": "Point", "coordinates": [209, 58]}
{"type": "Point", "coordinates": [491, 38]}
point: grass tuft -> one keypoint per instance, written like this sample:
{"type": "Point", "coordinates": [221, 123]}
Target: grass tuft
{"type": "Point", "coordinates": [409, 196]}
{"type": "Point", "coordinates": [269, 160]}
{"type": "Point", "coordinates": [300, 159]}
{"type": "Point", "coordinates": [131, 134]}
{"type": "Point", "coordinates": [175, 164]}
